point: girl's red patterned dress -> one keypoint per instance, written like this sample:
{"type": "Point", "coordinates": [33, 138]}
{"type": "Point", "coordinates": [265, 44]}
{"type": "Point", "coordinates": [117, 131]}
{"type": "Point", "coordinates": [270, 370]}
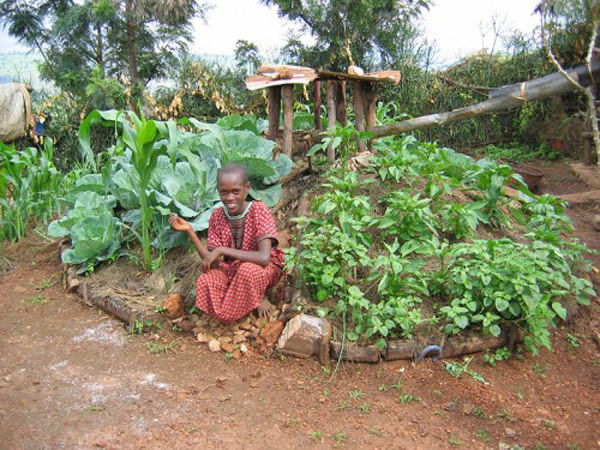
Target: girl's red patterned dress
{"type": "Point", "coordinates": [235, 288]}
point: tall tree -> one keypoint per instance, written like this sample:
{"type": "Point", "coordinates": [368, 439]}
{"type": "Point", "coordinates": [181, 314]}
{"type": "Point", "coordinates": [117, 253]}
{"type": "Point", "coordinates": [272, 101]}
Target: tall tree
{"type": "Point", "coordinates": [362, 32]}
{"type": "Point", "coordinates": [93, 39]}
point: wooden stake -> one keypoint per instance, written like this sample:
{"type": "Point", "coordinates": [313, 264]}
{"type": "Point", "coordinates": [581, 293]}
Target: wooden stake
{"type": "Point", "coordinates": [317, 102]}
{"type": "Point", "coordinates": [288, 119]}
{"type": "Point", "coordinates": [340, 102]}
{"type": "Point", "coordinates": [331, 117]}
{"type": "Point", "coordinates": [371, 109]}
{"type": "Point", "coordinates": [274, 111]}
{"type": "Point", "coordinates": [359, 111]}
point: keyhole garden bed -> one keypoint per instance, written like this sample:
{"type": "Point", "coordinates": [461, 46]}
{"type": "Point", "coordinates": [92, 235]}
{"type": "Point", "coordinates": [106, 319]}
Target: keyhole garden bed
{"type": "Point", "coordinates": [409, 247]}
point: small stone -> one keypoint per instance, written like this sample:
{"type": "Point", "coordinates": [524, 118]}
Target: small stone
{"type": "Point", "coordinates": [237, 354]}
{"type": "Point", "coordinates": [247, 333]}
{"type": "Point", "coordinates": [243, 348]}
{"type": "Point", "coordinates": [239, 338]}
{"type": "Point", "coordinates": [225, 339]}
{"type": "Point", "coordinates": [187, 325]}
{"type": "Point", "coordinates": [510, 433]}
{"type": "Point", "coordinates": [101, 444]}
{"type": "Point", "coordinates": [246, 326]}
{"type": "Point", "coordinates": [204, 338]}
{"type": "Point", "coordinates": [271, 332]}
{"type": "Point", "coordinates": [238, 332]}
{"type": "Point", "coordinates": [321, 399]}
{"type": "Point", "coordinates": [504, 446]}
{"type": "Point", "coordinates": [222, 379]}
{"type": "Point", "coordinates": [450, 406]}
{"type": "Point", "coordinates": [214, 346]}
{"type": "Point", "coordinates": [227, 347]}
{"type": "Point", "coordinates": [255, 332]}
{"type": "Point", "coordinates": [467, 409]}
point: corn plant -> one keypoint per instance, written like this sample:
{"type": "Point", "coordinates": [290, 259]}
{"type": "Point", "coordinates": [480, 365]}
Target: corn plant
{"type": "Point", "coordinates": [30, 188]}
{"type": "Point", "coordinates": [142, 139]}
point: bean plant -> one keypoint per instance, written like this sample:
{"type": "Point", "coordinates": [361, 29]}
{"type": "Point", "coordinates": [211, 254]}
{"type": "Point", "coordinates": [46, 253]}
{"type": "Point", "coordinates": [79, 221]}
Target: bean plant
{"type": "Point", "coordinates": [377, 262]}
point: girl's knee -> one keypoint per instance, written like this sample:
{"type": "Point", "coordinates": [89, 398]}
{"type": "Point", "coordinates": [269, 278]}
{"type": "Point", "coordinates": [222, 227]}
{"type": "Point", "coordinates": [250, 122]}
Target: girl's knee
{"type": "Point", "coordinates": [250, 270]}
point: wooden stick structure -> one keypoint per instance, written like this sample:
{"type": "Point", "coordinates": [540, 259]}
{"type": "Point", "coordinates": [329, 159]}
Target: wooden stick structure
{"type": "Point", "coordinates": [359, 111]}
{"type": "Point", "coordinates": [370, 109]}
{"type": "Point", "coordinates": [331, 117]}
{"type": "Point", "coordinates": [274, 111]}
{"type": "Point", "coordinates": [317, 103]}
{"type": "Point", "coordinates": [340, 102]}
{"type": "Point", "coordinates": [288, 119]}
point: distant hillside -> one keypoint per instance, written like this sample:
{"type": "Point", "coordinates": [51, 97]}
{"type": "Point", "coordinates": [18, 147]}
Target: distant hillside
{"type": "Point", "coordinates": [19, 67]}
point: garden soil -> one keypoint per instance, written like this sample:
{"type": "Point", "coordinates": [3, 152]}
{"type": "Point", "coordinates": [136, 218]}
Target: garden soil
{"type": "Point", "coordinates": [71, 377]}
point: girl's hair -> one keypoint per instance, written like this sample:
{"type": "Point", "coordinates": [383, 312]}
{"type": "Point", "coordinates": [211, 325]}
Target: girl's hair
{"type": "Point", "coordinates": [234, 168]}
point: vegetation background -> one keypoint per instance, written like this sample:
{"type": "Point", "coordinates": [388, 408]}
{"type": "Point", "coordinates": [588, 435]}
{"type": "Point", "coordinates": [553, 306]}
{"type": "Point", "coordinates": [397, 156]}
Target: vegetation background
{"type": "Point", "coordinates": [100, 54]}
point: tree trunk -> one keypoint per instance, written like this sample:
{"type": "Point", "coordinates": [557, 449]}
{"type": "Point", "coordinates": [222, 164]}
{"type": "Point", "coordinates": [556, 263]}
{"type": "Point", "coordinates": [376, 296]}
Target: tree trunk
{"type": "Point", "coordinates": [100, 49]}
{"type": "Point", "coordinates": [133, 70]}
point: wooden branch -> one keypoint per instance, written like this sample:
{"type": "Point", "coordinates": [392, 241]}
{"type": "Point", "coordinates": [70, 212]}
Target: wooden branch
{"type": "Point", "coordinates": [288, 119]}
{"type": "Point", "coordinates": [331, 117]}
{"type": "Point", "coordinates": [359, 111]}
{"type": "Point", "coordinates": [274, 111]}
{"type": "Point", "coordinates": [502, 98]}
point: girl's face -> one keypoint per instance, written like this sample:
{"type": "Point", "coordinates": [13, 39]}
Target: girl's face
{"type": "Point", "coordinates": [233, 192]}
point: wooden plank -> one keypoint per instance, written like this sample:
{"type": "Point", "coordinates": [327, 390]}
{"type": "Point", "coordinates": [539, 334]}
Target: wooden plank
{"type": "Point", "coordinates": [390, 76]}
{"type": "Point", "coordinates": [274, 111]}
{"type": "Point", "coordinates": [288, 119]}
{"type": "Point", "coordinates": [317, 103]}
{"type": "Point", "coordinates": [331, 117]}
{"type": "Point", "coordinates": [359, 111]}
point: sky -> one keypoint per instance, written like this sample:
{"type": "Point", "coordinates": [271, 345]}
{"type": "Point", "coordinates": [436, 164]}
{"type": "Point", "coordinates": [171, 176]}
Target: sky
{"type": "Point", "coordinates": [456, 26]}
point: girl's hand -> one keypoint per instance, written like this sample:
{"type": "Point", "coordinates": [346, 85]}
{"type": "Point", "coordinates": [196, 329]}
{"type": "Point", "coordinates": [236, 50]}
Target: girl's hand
{"type": "Point", "coordinates": [210, 260]}
{"type": "Point", "coordinates": [179, 224]}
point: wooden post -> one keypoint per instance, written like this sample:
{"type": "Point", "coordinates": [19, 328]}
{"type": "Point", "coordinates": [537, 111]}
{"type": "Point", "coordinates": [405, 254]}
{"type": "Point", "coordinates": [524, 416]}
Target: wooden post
{"type": "Point", "coordinates": [359, 111]}
{"type": "Point", "coordinates": [588, 155]}
{"type": "Point", "coordinates": [340, 102]}
{"type": "Point", "coordinates": [274, 111]}
{"type": "Point", "coordinates": [331, 110]}
{"type": "Point", "coordinates": [288, 119]}
{"type": "Point", "coordinates": [371, 109]}
{"type": "Point", "coordinates": [317, 102]}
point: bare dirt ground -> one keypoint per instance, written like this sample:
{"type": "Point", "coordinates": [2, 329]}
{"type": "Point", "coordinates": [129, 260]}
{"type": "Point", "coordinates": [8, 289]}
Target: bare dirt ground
{"type": "Point", "coordinates": [71, 377]}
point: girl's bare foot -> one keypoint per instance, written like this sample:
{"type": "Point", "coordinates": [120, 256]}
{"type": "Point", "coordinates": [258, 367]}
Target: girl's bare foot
{"type": "Point", "coordinates": [265, 307]}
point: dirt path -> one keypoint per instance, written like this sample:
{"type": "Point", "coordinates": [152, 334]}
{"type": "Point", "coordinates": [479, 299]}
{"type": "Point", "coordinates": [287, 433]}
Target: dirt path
{"type": "Point", "coordinates": [71, 377]}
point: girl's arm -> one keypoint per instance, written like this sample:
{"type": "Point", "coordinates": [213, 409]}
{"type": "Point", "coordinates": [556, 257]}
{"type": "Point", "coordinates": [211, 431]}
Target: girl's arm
{"type": "Point", "coordinates": [179, 224]}
{"type": "Point", "coordinates": [262, 256]}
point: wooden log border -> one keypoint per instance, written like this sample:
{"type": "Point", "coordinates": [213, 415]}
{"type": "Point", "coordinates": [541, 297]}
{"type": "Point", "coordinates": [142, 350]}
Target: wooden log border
{"type": "Point", "coordinates": [91, 296]}
{"type": "Point", "coordinates": [394, 350]}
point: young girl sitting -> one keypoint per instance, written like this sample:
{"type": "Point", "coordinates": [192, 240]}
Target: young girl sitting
{"type": "Point", "coordinates": [242, 259]}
